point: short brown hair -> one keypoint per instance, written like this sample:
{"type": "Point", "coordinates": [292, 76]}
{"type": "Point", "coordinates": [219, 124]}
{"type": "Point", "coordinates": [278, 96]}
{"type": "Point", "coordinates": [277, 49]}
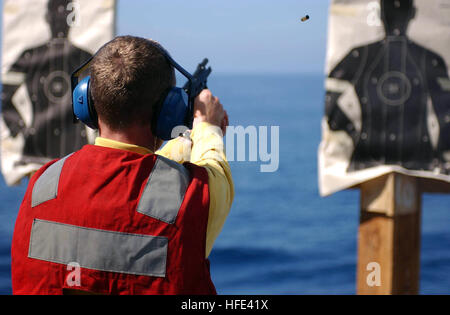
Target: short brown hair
{"type": "Point", "coordinates": [129, 76]}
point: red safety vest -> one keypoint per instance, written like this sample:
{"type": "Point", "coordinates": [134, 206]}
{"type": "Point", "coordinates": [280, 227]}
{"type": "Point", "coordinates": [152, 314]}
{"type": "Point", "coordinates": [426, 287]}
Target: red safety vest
{"type": "Point", "coordinates": [110, 221]}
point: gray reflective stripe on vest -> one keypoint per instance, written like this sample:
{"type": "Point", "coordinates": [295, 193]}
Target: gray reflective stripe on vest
{"type": "Point", "coordinates": [46, 187]}
{"type": "Point", "coordinates": [165, 190]}
{"type": "Point", "coordinates": [101, 250]}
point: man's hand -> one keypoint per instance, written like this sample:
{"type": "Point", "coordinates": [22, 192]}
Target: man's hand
{"type": "Point", "coordinates": [207, 108]}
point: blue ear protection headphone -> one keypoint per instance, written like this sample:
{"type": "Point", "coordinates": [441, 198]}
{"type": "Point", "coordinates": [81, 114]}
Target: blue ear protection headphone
{"type": "Point", "coordinates": [175, 109]}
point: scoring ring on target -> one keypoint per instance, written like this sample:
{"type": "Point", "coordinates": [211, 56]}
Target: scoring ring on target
{"type": "Point", "coordinates": [54, 81]}
{"type": "Point", "coordinates": [394, 88]}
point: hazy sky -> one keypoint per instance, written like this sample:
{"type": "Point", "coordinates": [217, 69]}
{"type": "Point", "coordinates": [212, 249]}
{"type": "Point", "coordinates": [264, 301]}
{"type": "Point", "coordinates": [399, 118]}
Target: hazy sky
{"type": "Point", "coordinates": [238, 36]}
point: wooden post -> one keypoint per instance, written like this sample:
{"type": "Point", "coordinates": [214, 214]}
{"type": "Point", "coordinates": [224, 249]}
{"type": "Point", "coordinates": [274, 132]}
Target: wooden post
{"type": "Point", "coordinates": [389, 235]}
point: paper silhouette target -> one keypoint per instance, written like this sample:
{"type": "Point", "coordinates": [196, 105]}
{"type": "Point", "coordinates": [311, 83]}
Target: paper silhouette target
{"type": "Point", "coordinates": [46, 72]}
{"type": "Point", "coordinates": [388, 99]}
{"type": "Point", "coordinates": [50, 41]}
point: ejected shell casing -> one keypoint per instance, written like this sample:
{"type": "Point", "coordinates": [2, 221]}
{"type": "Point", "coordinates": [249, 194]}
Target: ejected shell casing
{"type": "Point", "coordinates": [305, 18]}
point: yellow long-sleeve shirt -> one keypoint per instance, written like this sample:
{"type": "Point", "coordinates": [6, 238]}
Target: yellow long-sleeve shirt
{"type": "Point", "coordinates": [208, 151]}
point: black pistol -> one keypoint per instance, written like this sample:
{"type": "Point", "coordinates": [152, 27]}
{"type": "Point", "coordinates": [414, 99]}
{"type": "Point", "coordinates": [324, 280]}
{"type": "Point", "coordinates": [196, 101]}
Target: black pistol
{"type": "Point", "coordinates": [195, 85]}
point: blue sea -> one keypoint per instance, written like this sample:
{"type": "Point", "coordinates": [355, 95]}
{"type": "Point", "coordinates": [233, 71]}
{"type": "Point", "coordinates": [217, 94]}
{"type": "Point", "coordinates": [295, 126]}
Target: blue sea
{"type": "Point", "coordinates": [281, 237]}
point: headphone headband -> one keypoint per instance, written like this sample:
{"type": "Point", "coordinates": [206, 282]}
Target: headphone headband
{"type": "Point", "coordinates": [76, 74]}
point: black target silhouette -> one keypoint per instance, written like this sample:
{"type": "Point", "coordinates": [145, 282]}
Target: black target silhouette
{"type": "Point", "coordinates": [398, 85]}
{"type": "Point", "coordinates": [47, 70]}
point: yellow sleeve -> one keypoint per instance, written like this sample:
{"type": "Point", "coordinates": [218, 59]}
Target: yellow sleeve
{"type": "Point", "coordinates": [207, 150]}
{"type": "Point", "coordinates": [178, 150]}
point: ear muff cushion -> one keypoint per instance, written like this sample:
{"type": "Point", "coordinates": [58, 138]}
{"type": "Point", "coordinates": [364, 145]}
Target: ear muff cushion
{"type": "Point", "coordinates": [173, 113]}
{"type": "Point", "coordinates": [82, 107]}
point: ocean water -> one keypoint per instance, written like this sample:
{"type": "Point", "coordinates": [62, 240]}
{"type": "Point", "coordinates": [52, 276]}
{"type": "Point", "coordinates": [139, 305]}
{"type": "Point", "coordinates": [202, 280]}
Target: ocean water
{"type": "Point", "coordinates": [280, 236]}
